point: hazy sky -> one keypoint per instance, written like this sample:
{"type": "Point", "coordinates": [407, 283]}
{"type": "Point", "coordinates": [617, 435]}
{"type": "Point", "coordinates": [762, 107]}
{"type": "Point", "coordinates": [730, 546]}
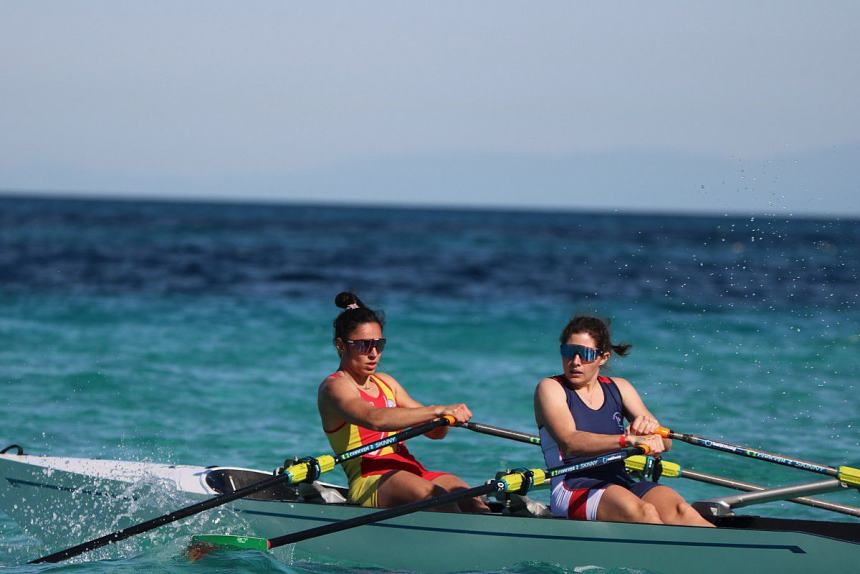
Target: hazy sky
{"type": "Point", "coordinates": [644, 105]}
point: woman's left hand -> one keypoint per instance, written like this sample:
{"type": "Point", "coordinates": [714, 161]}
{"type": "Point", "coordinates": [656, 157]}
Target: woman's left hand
{"type": "Point", "coordinates": [643, 424]}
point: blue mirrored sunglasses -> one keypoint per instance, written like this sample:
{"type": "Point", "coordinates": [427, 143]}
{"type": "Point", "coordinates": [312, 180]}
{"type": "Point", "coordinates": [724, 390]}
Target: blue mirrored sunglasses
{"type": "Point", "coordinates": [586, 354]}
{"type": "Point", "coordinates": [364, 346]}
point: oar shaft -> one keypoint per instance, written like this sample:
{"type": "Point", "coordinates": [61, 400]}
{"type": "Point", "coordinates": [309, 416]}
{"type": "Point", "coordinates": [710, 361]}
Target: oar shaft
{"type": "Point", "coordinates": [295, 473]}
{"type": "Point", "coordinates": [750, 487]}
{"type": "Point", "coordinates": [749, 452]}
{"type": "Point", "coordinates": [502, 433]}
{"type": "Point", "coordinates": [389, 513]}
{"type": "Point", "coordinates": [596, 461]}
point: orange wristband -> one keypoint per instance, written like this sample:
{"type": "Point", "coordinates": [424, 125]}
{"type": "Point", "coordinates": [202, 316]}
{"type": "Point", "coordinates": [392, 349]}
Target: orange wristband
{"type": "Point", "coordinates": [622, 441]}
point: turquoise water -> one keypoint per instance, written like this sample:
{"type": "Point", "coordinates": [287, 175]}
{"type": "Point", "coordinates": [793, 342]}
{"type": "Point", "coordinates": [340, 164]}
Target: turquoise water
{"type": "Point", "coordinates": [197, 334]}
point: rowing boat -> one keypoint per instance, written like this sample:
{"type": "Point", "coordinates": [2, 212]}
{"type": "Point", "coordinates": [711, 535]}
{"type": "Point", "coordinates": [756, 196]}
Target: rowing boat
{"type": "Point", "coordinates": [63, 500]}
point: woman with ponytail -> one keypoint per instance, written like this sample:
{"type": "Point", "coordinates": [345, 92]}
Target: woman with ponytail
{"type": "Point", "coordinates": [359, 405]}
{"type": "Point", "coordinates": [580, 414]}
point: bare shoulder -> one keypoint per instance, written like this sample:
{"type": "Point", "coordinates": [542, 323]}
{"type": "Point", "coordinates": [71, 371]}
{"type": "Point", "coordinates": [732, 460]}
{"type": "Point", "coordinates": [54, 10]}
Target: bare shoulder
{"type": "Point", "coordinates": [548, 386]}
{"type": "Point", "coordinates": [622, 382]}
{"type": "Point", "coordinates": [629, 394]}
{"type": "Point", "coordinates": [549, 398]}
{"type": "Point", "coordinates": [333, 386]}
{"type": "Point", "coordinates": [624, 386]}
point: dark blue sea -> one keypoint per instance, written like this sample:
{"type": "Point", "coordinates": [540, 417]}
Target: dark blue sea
{"type": "Point", "coordinates": [197, 333]}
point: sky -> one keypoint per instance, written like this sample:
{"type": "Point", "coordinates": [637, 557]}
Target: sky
{"type": "Point", "coordinates": [735, 107]}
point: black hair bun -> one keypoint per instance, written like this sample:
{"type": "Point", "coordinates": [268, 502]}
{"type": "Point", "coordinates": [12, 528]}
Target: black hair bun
{"type": "Point", "coordinates": [344, 299]}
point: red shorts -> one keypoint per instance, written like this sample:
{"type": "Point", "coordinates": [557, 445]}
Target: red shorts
{"type": "Point", "coordinates": [363, 490]}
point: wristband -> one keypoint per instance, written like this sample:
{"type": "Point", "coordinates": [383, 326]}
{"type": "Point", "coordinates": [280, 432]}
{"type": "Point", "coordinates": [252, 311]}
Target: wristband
{"type": "Point", "coordinates": [622, 441]}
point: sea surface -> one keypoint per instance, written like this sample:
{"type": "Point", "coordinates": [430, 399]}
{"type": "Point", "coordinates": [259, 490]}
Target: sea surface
{"type": "Point", "coordinates": [198, 333]}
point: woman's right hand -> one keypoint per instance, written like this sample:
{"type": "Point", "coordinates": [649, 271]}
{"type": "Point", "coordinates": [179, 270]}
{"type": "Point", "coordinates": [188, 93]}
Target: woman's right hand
{"type": "Point", "coordinates": [652, 441]}
{"type": "Point", "coordinates": [459, 411]}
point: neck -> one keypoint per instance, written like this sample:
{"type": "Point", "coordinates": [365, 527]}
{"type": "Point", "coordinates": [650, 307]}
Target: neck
{"type": "Point", "coordinates": [582, 385]}
{"type": "Point", "coordinates": [360, 379]}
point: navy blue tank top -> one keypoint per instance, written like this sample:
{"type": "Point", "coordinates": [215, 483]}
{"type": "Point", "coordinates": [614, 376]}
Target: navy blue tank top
{"type": "Point", "coordinates": [608, 419]}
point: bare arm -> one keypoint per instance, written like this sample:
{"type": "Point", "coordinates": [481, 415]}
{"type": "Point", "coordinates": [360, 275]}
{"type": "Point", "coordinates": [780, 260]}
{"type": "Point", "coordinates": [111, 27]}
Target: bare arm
{"type": "Point", "coordinates": [642, 422]}
{"type": "Point", "coordinates": [551, 412]}
{"type": "Point", "coordinates": [341, 402]}
{"type": "Point", "coordinates": [460, 411]}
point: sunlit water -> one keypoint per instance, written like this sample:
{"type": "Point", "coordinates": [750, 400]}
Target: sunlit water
{"type": "Point", "coordinates": [197, 334]}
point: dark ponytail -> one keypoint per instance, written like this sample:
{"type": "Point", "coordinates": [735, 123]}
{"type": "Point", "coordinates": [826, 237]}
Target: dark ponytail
{"type": "Point", "coordinates": [355, 313]}
{"type": "Point", "coordinates": [599, 331]}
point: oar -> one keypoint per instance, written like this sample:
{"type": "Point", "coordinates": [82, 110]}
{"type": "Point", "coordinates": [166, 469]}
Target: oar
{"type": "Point", "coordinates": [303, 470]}
{"type": "Point", "coordinates": [848, 475]}
{"type": "Point", "coordinates": [672, 470]}
{"type": "Point", "coordinates": [503, 433]}
{"type": "Point", "coordinates": [518, 481]}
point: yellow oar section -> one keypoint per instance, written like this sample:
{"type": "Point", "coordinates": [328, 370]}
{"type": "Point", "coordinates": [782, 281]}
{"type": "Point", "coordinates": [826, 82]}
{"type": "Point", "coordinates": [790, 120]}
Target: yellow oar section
{"type": "Point", "coordinates": [849, 475]}
{"type": "Point", "coordinates": [638, 463]}
{"type": "Point", "coordinates": [516, 481]}
{"type": "Point", "coordinates": [300, 471]}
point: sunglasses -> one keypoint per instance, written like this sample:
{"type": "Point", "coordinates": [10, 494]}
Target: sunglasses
{"type": "Point", "coordinates": [364, 346]}
{"type": "Point", "coordinates": [586, 354]}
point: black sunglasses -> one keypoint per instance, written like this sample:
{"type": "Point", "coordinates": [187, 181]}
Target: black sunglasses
{"type": "Point", "coordinates": [364, 346]}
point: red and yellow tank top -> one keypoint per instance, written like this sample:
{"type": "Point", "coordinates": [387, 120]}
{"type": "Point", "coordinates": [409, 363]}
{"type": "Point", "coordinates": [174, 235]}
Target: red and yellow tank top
{"type": "Point", "coordinates": [349, 436]}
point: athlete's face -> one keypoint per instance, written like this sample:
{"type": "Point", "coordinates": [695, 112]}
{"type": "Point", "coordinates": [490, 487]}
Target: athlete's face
{"type": "Point", "coordinates": [575, 369]}
{"type": "Point", "coordinates": [357, 353]}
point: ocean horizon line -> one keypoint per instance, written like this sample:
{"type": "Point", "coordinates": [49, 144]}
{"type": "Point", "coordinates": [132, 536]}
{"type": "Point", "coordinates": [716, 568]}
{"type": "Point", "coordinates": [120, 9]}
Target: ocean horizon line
{"type": "Point", "coordinates": [11, 194]}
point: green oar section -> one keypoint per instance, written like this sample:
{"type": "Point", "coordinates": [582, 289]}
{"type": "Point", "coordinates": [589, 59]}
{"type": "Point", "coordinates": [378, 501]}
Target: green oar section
{"type": "Point", "coordinates": [517, 481]}
{"type": "Point", "coordinates": [203, 543]}
{"type": "Point", "coordinates": [303, 470]}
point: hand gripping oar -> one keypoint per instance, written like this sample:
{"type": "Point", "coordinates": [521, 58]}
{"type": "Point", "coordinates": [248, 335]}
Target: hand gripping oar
{"type": "Point", "coordinates": [846, 474]}
{"type": "Point", "coordinates": [517, 481]}
{"type": "Point", "coordinates": [302, 470]}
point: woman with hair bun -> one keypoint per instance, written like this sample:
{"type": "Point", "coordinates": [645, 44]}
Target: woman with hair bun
{"type": "Point", "coordinates": [359, 405]}
{"type": "Point", "coordinates": [580, 415]}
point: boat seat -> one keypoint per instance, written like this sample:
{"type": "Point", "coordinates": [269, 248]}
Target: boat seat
{"type": "Point", "coordinates": [225, 480]}
{"type": "Point", "coordinates": [322, 492]}
{"type": "Point", "coordinates": [519, 505]}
